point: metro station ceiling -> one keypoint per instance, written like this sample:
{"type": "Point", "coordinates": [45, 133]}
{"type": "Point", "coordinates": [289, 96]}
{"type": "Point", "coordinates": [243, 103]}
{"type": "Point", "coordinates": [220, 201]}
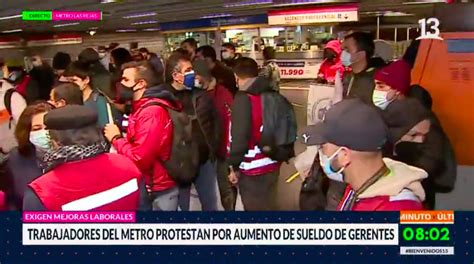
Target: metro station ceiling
{"type": "Point", "coordinates": [143, 15]}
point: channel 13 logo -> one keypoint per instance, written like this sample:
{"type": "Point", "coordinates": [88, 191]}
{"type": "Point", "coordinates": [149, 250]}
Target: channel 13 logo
{"type": "Point", "coordinates": [429, 28]}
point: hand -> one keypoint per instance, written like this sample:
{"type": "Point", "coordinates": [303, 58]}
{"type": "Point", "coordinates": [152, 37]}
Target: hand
{"type": "Point", "coordinates": [111, 131]}
{"type": "Point", "coordinates": [233, 177]}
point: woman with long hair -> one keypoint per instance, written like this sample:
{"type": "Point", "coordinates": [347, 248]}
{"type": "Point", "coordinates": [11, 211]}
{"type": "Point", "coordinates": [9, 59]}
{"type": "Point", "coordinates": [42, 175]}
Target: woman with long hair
{"type": "Point", "coordinates": [22, 164]}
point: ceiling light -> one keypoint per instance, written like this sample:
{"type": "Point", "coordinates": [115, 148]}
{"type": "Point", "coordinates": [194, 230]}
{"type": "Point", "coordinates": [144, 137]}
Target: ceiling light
{"type": "Point", "coordinates": [67, 25]}
{"type": "Point", "coordinates": [303, 2]}
{"type": "Point", "coordinates": [396, 14]}
{"type": "Point", "coordinates": [151, 29]}
{"type": "Point", "coordinates": [140, 15]}
{"type": "Point", "coordinates": [145, 22]}
{"type": "Point", "coordinates": [418, 2]}
{"type": "Point", "coordinates": [249, 3]}
{"type": "Point", "coordinates": [92, 32]}
{"type": "Point", "coordinates": [125, 30]}
{"type": "Point", "coordinates": [109, 1]}
{"type": "Point", "coordinates": [10, 17]}
{"type": "Point", "coordinates": [216, 15]}
{"type": "Point", "coordinates": [13, 30]}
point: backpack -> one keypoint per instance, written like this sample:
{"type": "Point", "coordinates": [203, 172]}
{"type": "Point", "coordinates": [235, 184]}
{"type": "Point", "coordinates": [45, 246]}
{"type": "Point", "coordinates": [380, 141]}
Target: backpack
{"type": "Point", "coordinates": [183, 164]}
{"type": "Point", "coordinates": [279, 127]}
{"type": "Point", "coordinates": [7, 100]}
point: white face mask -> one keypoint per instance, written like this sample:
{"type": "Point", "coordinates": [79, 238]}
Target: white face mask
{"type": "Point", "coordinates": [41, 139]}
{"type": "Point", "coordinates": [225, 55]}
{"type": "Point", "coordinates": [379, 98]}
{"type": "Point", "coordinates": [346, 58]}
{"type": "Point", "coordinates": [197, 84]}
{"type": "Point", "coordinates": [325, 163]}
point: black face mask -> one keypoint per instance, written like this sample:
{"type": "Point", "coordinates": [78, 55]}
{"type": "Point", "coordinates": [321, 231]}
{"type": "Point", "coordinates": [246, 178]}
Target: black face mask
{"type": "Point", "coordinates": [329, 55]}
{"type": "Point", "coordinates": [408, 152]}
{"type": "Point", "coordinates": [125, 93]}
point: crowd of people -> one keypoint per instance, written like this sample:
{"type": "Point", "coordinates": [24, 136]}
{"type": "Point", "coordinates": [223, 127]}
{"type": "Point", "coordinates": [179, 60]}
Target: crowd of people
{"type": "Point", "coordinates": [126, 130]}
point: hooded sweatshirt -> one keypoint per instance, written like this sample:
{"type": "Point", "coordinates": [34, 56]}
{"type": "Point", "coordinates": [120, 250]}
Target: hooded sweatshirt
{"type": "Point", "coordinates": [401, 189]}
{"type": "Point", "coordinates": [329, 68]}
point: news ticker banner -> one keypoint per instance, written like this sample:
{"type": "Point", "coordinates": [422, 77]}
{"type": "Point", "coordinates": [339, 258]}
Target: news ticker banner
{"type": "Point", "coordinates": [426, 235]}
{"type": "Point", "coordinates": [61, 15]}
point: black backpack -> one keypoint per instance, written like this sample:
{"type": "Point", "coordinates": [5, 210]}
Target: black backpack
{"type": "Point", "coordinates": [7, 100]}
{"type": "Point", "coordinates": [279, 127]}
{"type": "Point", "coordinates": [183, 164]}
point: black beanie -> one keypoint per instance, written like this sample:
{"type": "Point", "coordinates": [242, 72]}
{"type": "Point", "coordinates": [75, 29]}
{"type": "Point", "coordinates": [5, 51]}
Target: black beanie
{"type": "Point", "coordinates": [70, 117]}
{"type": "Point", "coordinates": [88, 56]}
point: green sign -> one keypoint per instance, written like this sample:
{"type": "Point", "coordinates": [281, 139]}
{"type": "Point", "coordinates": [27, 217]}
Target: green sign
{"type": "Point", "coordinates": [37, 15]}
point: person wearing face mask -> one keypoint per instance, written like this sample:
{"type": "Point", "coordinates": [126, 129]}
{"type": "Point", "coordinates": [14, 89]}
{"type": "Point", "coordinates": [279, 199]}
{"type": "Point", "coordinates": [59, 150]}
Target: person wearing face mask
{"type": "Point", "coordinates": [222, 99]}
{"type": "Point", "coordinates": [190, 45]}
{"type": "Point", "coordinates": [93, 98]}
{"type": "Point", "coordinates": [351, 138]}
{"type": "Point", "coordinates": [359, 49]}
{"type": "Point", "coordinates": [219, 70]}
{"type": "Point", "coordinates": [22, 164]}
{"type": "Point", "coordinates": [181, 81]}
{"type": "Point", "coordinates": [228, 54]}
{"type": "Point", "coordinates": [392, 82]}
{"type": "Point", "coordinates": [43, 75]}
{"type": "Point", "coordinates": [12, 104]}
{"type": "Point", "coordinates": [148, 140]}
{"type": "Point", "coordinates": [66, 94]}
{"type": "Point", "coordinates": [331, 64]}
{"type": "Point", "coordinates": [104, 56]}
{"type": "Point", "coordinates": [79, 173]}
{"type": "Point", "coordinates": [417, 138]}
{"type": "Point", "coordinates": [100, 79]}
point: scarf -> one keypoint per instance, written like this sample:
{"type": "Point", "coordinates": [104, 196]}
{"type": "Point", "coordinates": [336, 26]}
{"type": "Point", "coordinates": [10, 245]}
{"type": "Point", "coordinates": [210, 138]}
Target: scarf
{"type": "Point", "coordinates": [64, 154]}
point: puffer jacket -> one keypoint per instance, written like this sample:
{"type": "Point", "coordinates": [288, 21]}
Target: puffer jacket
{"type": "Point", "coordinates": [401, 189]}
{"type": "Point", "coordinates": [329, 68]}
{"type": "Point", "coordinates": [149, 138]}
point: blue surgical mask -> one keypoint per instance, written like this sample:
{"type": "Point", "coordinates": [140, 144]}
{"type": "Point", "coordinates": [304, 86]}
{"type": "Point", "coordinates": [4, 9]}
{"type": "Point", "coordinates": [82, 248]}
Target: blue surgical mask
{"type": "Point", "coordinates": [41, 139]}
{"type": "Point", "coordinates": [346, 58]}
{"type": "Point", "coordinates": [189, 78]}
{"type": "Point", "coordinates": [325, 163]}
{"type": "Point", "coordinates": [379, 98]}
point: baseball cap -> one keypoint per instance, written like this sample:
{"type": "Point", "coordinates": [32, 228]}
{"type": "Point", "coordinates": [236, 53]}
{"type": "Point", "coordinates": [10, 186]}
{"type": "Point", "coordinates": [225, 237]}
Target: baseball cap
{"type": "Point", "coordinates": [350, 123]}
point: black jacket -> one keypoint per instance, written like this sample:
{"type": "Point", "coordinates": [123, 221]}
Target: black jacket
{"type": "Point", "coordinates": [198, 104]}
{"type": "Point", "coordinates": [44, 78]}
{"type": "Point", "coordinates": [241, 120]}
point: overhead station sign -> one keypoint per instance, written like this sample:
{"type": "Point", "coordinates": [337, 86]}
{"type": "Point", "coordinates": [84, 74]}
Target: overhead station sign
{"type": "Point", "coordinates": [329, 14]}
{"type": "Point", "coordinates": [61, 15]}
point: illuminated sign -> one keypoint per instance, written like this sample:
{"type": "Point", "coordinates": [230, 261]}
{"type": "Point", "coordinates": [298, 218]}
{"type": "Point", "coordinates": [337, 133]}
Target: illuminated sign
{"type": "Point", "coordinates": [333, 14]}
{"type": "Point", "coordinates": [61, 15]}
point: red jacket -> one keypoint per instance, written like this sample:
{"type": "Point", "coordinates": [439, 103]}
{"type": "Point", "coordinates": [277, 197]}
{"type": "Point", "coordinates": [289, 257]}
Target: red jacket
{"type": "Point", "coordinates": [400, 190]}
{"type": "Point", "coordinates": [329, 68]}
{"type": "Point", "coordinates": [222, 99]}
{"type": "Point", "coordinates": [107, 182]}
{"type": "Point", "coordinates": [149, 141]}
